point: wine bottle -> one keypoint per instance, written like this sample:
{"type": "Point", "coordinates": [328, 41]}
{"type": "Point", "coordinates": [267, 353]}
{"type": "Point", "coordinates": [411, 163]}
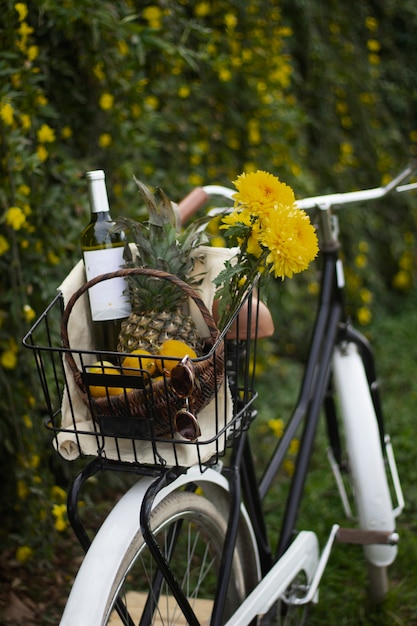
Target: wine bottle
{"type": "Point", "coordinates": [103, 252]}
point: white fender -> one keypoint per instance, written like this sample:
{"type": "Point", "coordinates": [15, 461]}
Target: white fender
{"type": "Point", "coordinates": [366, 460]}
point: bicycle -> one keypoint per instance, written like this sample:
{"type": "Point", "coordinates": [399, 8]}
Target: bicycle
{"type": "Point", "coordinates": [192, 536]}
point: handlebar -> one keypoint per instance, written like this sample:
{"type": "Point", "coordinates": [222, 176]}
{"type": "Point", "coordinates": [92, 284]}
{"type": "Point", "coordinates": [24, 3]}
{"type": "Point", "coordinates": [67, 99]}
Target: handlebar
{"type": "Point", "coordinates": [199, 196]}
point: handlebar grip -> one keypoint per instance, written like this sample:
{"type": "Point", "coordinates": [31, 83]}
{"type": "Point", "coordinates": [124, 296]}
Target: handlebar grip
{"type": "Point", "coordinates": [191, 203]}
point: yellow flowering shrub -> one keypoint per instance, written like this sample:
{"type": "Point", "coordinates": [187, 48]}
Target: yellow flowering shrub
{"type": "Point", "coordinates": [192, 93]}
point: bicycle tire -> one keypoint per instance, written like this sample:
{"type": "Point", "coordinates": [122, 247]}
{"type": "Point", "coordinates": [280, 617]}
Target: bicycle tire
{"type": "Point", "coordinates": [119, 540]}
{"type": "Point", "coordinates": [366, 465]}
{"type": "Point", "coordinates": [202, 533]}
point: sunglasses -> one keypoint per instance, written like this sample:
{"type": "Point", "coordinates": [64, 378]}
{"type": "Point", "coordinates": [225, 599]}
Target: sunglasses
{"type": "Point", "coordinates": [182, 381]}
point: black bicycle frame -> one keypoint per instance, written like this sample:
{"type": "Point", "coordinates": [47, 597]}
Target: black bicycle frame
{"type": "Point", "coordinates": [330, 328]}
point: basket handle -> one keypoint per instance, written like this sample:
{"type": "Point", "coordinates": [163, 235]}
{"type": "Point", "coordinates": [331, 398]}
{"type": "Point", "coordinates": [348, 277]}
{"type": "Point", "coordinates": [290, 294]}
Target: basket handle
{"type": "Point", "coordinates": [138, 271]}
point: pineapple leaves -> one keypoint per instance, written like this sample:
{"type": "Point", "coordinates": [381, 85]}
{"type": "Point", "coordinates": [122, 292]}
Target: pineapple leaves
{"type": "Point", "coordinates": [158, 245]}
{"type": "Point", "coordinates": [161, 212]}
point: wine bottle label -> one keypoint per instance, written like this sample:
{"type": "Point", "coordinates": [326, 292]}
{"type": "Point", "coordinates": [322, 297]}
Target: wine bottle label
{"type": "Point", "coordinates": [109, 300]}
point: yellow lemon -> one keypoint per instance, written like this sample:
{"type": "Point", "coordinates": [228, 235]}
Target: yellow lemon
{"type": "Point", "coordinates": [175, 348]}
{"type": "Point", "coordinates": [104, 367]}
{"type": "Point", "coordinates": [134, 366]}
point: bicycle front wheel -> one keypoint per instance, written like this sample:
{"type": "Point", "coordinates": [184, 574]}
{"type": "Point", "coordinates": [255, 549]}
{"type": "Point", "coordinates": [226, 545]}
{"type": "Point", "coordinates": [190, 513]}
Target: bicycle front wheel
{"type": "Point", "coordinates": [190, 532]}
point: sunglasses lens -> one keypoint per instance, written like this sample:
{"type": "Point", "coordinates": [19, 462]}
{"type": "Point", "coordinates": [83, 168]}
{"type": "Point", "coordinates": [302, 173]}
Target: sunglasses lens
{"type": "Point", "coordinates": [187, 425]}
{"type": "Point", "coordinates": [182, 379]}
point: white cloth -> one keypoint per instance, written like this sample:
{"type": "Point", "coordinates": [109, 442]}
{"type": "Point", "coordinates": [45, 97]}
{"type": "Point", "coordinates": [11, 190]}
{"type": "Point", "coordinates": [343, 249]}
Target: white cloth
{"type": "Point", "coordinates": [76, 418]}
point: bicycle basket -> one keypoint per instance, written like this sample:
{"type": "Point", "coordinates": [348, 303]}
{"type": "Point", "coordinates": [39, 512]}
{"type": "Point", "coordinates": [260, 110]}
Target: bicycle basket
{"type": "Point", "coordinates": [137, 426]}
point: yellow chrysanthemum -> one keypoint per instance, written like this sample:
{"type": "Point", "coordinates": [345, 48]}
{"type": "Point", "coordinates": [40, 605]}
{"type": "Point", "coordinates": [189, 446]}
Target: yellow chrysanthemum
{"type": "Point", "coordinates": [291, 240]}
{"type": "Point", "coordinates": [260, 191]}
{"type": "Point", "coordinates": [272, 233]}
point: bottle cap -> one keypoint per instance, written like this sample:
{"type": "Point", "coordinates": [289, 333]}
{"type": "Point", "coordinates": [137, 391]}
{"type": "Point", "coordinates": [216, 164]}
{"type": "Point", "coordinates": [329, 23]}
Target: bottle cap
{"type": "Point", "coordinates": [95, 175]}
{"type": "Point", "coordinates": [97, 192]}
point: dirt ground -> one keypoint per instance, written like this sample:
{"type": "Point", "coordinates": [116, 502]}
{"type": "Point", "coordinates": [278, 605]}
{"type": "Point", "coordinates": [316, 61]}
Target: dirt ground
{"type": "Point", "coordinates": [34, 594]}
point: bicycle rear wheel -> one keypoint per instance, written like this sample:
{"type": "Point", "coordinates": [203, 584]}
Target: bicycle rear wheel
{"type": "Point", "coordinates": [365, 463]}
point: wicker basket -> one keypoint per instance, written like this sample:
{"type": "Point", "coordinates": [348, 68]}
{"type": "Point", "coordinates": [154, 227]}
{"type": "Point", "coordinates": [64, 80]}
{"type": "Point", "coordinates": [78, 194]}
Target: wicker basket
{"type": "Point", "coordinates": [155, 403]}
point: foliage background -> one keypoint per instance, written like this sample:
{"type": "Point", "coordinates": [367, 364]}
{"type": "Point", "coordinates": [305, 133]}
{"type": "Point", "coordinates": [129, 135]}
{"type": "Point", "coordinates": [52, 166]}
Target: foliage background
{"type": "Point", "coordinates": [323, 94]}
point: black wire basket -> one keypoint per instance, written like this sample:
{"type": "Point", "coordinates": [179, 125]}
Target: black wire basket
{"type": "Point", "coordinates": [136, 422]}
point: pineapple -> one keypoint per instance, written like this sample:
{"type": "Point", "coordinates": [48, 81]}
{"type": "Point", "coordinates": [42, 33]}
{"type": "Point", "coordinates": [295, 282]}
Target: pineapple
{"type": "Point", "coordinates": [159, 308]}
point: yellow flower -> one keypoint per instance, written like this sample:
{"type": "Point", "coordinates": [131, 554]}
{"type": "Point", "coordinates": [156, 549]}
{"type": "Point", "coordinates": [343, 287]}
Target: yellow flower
{"type": "Point", "coordinates": [195, 180]}
{"type": "Point", "coordinates": [8, 359]}
{"type": "Point", "coordinates": [41, 100]}
{"type": "Point", "coordinates": [259, 191]}
{"type": "Point", "coordinates": [123, 47]}
{"type": "Point", "coordinates": [27, 421]}
{"type": "Point", "coordinates": [60, 524]}
{"type": "Point", "coordinates": [25, 121]}
{"type": "Point", "coordinates": [202, 9]}
{"type": "Point", "coordinates": [361, 260]}
{"type": "Point", "coordinates": [272, 233]}
{"type": "Point", "coordinates": [371, 23]}
{"type": "Point", "coordinates": [46, 134]}
{"type": "Point", "coordinates": [253, 246]}
{"type": "Point", "coordinates": [291, 240]}
{"type": "Point", "coordinates": [24, 190]}
{"type": "Point", "coordinates": [15, 217]}
{"type": "Point", "coordinates": [373, 45]}
{"type": "Point", "coordinates": [4, 245]}
{"type": "Point", "coordinates": [106, 101]}
{"type": "Point", "coordinates": [53, 258]}
{"type": "Point", "coordinates": [58, 510]}
{"type": "Point", "coordinates": [42, 153]}
{"type": "Point", "coordinates": [277, 427]}
{"type": "Point", "coordinates": [366, 296]}
{"type": "Point", "coordinates": [230, 20]}
{"type": "Point", "coordinates": [57, 493]}
{"type": "Point", "coordinates": [34, 461]}
{"type": "Point", "coordinates": [24, 31]}
{"type": "Point", "coordinates": [98, 71]}
{"type": "Point", "coordinates": [22, 10]}
{"type": "Point", "coordinates": [6, 113]}
{"type": "Point", "coordinates": [29, 313]}
{"type": "Point", "coordinates": [294, 447]}
{"type": "Point", "coordinates": [289, 466]}
{"type": "Point", "coordinates": [225, 74]}
{"type": "Point", "coordinates": [22, 489]}
{"type": "Point", "coordinates": [151, 102]}
{"type": "Point", "coordinates": [364, 316]}
{"type": "Point", "coordinates": [32, 53]}
{"type": "Point", "coordinates": [153, 16]}
{"type": "Point", "coordinates": [66, 132]}
{"type": "Point", "coordinates": [104, 140]}
{"type": "Point", "coordinates": [23, 554]}
{"type": "Point", "coordinates": [184, 91]}
{"type": "Point", "coordinates": [402, 280]}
